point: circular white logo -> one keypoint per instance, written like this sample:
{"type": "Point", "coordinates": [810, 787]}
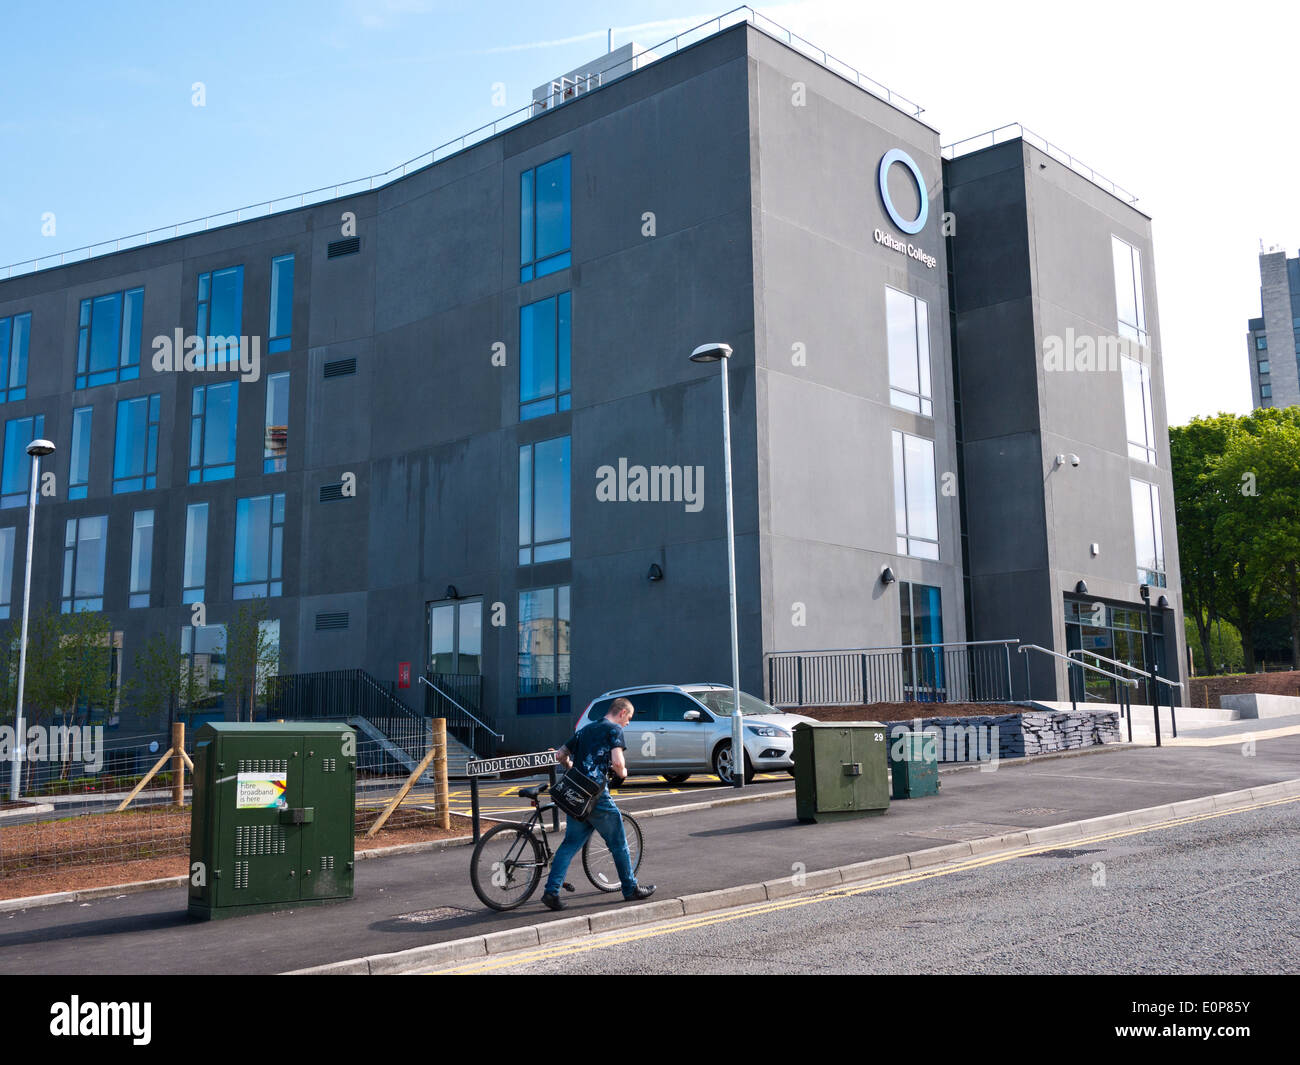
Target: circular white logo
{"type": "Point", "coordinates": [915, 225]}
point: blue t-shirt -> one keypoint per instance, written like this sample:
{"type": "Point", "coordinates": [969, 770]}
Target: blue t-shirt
{"type": "Point", "coordinates": [592, 748]}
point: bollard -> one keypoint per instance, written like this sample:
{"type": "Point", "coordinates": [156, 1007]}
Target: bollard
{"type": "Point", "coordinates": [442, 794]}
{"type": "Point", "coordinates": [178, 763]}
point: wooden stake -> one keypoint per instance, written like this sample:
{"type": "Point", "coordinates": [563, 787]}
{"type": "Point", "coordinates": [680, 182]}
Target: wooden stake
{"type": "Point", "coordinates": [396, 800]}
{"type": "Point", "coordinates": [145, 780]}
{"type": "Point", "coordinates": [441, 792]}
{"type": "Point", "coordinates": [178, 764]}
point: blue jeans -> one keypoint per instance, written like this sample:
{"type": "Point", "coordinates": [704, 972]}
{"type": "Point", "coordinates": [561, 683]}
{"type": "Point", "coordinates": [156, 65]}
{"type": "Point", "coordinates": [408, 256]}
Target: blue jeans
{"type": "Point", "coordinates": [606, 820]}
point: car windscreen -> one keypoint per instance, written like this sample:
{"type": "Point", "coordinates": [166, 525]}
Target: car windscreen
{"type": "Point", "coordinates": [719, 700]}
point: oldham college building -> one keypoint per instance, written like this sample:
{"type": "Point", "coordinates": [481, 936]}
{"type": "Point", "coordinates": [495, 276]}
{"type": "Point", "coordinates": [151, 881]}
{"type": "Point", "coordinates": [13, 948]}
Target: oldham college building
{"type": "Point", "coordinates": [449, 426]}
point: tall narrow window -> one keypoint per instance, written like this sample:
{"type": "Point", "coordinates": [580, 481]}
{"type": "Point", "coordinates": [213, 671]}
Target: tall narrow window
{"type": "Point", "coordinates": [907, 322]}
{"type": "Point", "coordinates": [921, 614]}
{"type": "Point", "coordinates": [204, 650]}
{"type": "Point", "coordinates": [281, 325]}
{"type": "Point", "coordinates": [15, 336]}
{"type": "Point", "coordinates": [221, 315]}
{"type": "Point", "coordinates": [916, 514]}
{"type": "Point", "coordinates": [7, 539]}
{"type": "Point", "coordinates": [1147, 536]}
{"type": "Point", "coordinates": [1129, 304]}
{"type": "Point", "coordinates": [544, 651]}
{"type": "Point", "coordinates": [214, 414]}
{"type": "Point", "coordinates": [259, 546]}
{"type": "Point", "coordinates": [83, 563]}
{"type": "Point", "coordinates": [135, 455]}
{"type": "Point", "coordinates": [1137, 410]}
{"type": "Point", "coordinates": [544, 219]}
{"type": "Point", "coordinates": [456, 636]}
{"type": "Point", "coordinates": [108, 338]}
{"type": "Point", "coordinates": [79, 456]}
{"type": "Point", "coordinates": [544, 501]}
{"type": "Point", "coordinates": [196, 553]}
{"type": "Point", "coordinates": [544, 333]}
{"type": "Point", "coordinates": [141, 558]}
{"type": "Point", "coordinates": [275, 449]}
{"type": "Point", "coordinates": [16, 480]}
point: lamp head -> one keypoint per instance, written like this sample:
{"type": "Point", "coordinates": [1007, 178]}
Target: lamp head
{"type": "Point", "coordinates": [711, 352]}
{"type": "Point", "coordinates": [1145, 592]}
{"type": "Point", "coordinates": [41, 447]}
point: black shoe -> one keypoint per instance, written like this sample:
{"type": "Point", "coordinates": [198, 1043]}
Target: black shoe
{"type": "Point", "coordinates": [552, 902]}
{"type": "Point", "coordinates": [643, 891]}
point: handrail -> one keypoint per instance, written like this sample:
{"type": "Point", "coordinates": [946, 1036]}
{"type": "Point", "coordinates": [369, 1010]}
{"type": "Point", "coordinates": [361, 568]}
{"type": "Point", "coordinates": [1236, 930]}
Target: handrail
{"type": "Point", "coordinates": [891, 647]}
{"type": "Point", "coordinates": [1126, 665]}
{"type": "Point", "coordinates": [956, 148]}
{"type": "Point", "coordinates": [457, 705]}
{"type": "Point", "coordinates": [466, 140]}
{"type": "Point", "coordinates": [1082, 665]}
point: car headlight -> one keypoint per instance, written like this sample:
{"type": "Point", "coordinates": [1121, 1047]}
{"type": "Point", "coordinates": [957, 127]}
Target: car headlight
{"type": "Point", "coordinates": [768, 730]}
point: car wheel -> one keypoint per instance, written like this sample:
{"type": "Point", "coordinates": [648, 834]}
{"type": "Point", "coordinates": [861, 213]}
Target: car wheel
{"type": "Point", "coordinates": [676, 778]}
{"type": "Point", "coordinates": [722, 764]}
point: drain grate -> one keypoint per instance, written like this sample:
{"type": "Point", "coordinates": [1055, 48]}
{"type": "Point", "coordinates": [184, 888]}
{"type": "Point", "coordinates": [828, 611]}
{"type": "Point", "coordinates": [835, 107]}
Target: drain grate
{"type": "Point", "coordinates": [1065, 853]}
{"type": "Point", "coordinates": [443, 913]}
{"type": "Point", "coordinates": [1036, 811]}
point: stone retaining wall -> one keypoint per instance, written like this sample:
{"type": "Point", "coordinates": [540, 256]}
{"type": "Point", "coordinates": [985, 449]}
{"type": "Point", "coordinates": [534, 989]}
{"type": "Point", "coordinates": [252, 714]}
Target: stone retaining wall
{"type": "Point", "coordinates": [1205, 692]}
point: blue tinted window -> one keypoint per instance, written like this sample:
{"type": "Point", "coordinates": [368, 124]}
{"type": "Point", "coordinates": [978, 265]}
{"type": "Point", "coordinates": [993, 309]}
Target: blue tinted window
{"type": "Point", "coordinates": [214, 414]}
{"type": "Point", "coordinates": [281, 331]}
{"type": "Point", "coordinates": [108, 338]}
{"type": "Point", "coordinates": [79, 457]}
{"type": "Point", "coordinates": [275, 448]}
{"type": "Point", "coordinates": [15, 334]}
{"type": "Point", "coordinates": [259, 546]}
{"type": "Point", "coordinates": [135, 456]}
{"type": "Point", "coordinates": [83, 563]}
{"type": "Point", "coordinates": [544, 333]}
{"type": "Point", "coordinates": [544, 501]}
{"type": "Point", "coordinates": [544, 670]}
{"type": "Point", "coordinates": [221, 314]}
{"type": "Point", "coordinates": [196, 553]}
{"type": "Point", "coordinates": [15, 484]}
{"type": "Point", "coordinates": [141, 558]}
{"type": "Point", "coordinates": [545, 219]}
{"type": "Point", "coordinates": [7, 537]}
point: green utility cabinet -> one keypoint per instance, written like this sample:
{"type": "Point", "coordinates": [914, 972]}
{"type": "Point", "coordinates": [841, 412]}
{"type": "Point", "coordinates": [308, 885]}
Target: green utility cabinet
{"type": "Point", "coordinates": [273, 817]}
{"type": "Point", "coordinates": [840, 770]}
{"type": "Point", "coordinates": [914, 761]}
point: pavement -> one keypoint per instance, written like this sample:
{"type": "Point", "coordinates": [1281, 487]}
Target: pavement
{"type": "Point", "coordinates": [412, 900]}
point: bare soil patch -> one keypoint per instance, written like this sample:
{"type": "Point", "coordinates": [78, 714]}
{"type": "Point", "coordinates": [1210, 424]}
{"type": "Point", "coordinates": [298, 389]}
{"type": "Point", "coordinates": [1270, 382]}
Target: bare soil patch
{"type": "Point", "coordinates": [99, 850]}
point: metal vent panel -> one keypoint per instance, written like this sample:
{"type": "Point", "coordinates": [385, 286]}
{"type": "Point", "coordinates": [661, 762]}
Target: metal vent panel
{"type": "Point", "coordinates": [333, 619]}
{"type": "Point", "coordinates": [348, 246]}
{"type": "Point", "coordinates": [340, 368]}
{"type": "Point", "coordinates": [330, 493]}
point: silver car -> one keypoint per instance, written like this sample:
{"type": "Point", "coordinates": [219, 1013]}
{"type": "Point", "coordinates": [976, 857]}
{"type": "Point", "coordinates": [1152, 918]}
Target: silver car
{"type": "Point", "coordinates": [683, 729]}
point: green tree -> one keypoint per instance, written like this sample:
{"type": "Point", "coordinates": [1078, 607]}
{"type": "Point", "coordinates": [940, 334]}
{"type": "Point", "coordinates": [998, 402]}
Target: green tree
{"type": "Point", "coordinates": [1261, 464]}
{"type": "Point", "coordinates": [252, 657]}
{"type": "Point", "coordinates": [162, 678]}
{"type": "Point", "coordinates": [1225, 647]}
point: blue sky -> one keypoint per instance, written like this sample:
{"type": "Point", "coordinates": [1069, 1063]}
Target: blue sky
{"type": "Point", "coordinates": [97, 124]}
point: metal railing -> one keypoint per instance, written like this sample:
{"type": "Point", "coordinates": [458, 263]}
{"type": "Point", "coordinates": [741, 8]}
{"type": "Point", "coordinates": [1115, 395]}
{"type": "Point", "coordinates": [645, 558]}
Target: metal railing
{"type": "Point", "coordinates": [975, 671]}
{"type": "Point", "coordinates": [475, 733]}
{"type": "Point", "coordinates": [370, 182]}
{"type": "Point", "coordinates": [1150, 676]}
{"type": "Point", "coordinates": [1005, 133]}
{"type": "Point", "coordinates": [1126, 707]}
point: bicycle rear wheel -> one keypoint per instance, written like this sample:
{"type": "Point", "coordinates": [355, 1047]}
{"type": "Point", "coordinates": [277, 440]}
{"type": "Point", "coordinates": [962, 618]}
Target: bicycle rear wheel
{"type": "Point", "coordinates": [599, 862]}
{"type": "Point", "coordinates": [506, 867]}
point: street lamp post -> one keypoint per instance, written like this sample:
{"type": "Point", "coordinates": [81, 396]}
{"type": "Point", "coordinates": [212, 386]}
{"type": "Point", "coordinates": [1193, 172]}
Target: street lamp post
{"type": "Point", "coordinates": [719, 352]}
{"type": "Point", "coordinates": [36, 449]}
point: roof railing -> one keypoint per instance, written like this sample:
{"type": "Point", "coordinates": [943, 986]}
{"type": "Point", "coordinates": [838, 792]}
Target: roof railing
{"type": "Point", "coordinates": [1015, 131]}
{"type": "Point", "coordinates": [458, 144]}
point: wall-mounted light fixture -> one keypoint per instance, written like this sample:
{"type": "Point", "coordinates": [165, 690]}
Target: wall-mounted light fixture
{"type": "Point", "coordinates": [887, 575]}
{"type": "Point", "coordinates": [1081, 588]}
{"type": "Point", "coordinates": [655, 574]}
{"type": "Point", "coordinates": [451, 592]}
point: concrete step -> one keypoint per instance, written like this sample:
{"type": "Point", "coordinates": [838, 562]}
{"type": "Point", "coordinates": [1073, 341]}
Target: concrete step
{"type": "Point", "coordinates": [1189, 717]}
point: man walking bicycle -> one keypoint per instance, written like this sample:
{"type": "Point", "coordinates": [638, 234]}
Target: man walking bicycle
{"type": "Point", "coordinates": [595, 750]}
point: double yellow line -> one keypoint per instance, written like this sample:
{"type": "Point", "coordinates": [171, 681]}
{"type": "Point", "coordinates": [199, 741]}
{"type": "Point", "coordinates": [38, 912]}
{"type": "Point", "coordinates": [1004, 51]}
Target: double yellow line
{"type": "Point", "coordinates": [686, 924]}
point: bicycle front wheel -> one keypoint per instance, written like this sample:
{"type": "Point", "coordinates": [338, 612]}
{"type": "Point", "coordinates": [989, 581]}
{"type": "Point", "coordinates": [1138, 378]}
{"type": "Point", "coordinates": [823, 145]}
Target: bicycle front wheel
{"type": "Point", "coordinates": [599, 862]}
{"type": "Point", "coordinates": [506, 867]}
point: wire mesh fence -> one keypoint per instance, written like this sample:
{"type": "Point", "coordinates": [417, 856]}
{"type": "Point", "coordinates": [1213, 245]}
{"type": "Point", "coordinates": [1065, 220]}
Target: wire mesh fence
{"type": "Point", "coordinates": [120, 813]}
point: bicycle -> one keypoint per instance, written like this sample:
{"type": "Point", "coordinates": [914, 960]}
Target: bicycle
{"type": "Point", "coordinates": [509, 860]}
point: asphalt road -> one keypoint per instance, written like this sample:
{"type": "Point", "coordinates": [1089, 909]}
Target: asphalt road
{"type": "Point", "coordinates": [1215, 896]}
{"type": "Point", "coordinates": [413, 899]}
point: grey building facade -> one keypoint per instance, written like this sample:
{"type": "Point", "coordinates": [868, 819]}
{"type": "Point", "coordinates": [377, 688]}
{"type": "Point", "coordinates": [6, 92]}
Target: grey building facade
{"type": "Point", "coordinates": [1273, 339]}
{"type": "Point", "coordinates": [475, 435]}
